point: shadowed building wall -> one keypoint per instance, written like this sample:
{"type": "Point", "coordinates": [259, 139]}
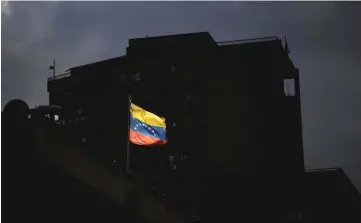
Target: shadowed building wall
{"type": "Point", "coordinates": [226, 104]}
{"type": "Point", "coordinates": [252, 109]}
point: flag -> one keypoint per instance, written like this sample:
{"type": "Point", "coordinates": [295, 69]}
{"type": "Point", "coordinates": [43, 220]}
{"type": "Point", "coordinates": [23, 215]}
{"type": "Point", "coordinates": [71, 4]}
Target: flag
{"type": "Point", "coordinates": [146, 128]}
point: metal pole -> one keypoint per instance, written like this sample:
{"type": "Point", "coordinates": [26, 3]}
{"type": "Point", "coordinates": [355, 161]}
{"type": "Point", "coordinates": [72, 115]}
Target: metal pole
{"type": "Point", "coordinates": [128, 139]}
{"type": "Point", "coordinates": [54, 69]}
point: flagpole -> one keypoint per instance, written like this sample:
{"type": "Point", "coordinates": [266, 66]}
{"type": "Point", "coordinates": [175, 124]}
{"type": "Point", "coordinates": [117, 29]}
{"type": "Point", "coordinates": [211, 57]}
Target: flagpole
{"type": "Point", "coordinates": [128, 139]}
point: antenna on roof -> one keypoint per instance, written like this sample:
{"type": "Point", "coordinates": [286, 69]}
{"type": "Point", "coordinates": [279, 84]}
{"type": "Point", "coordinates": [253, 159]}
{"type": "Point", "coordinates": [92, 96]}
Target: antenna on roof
{"type": "Point", "coordinates": [53, 68]}
{"type": "Point", "coordinates": [286, 45]}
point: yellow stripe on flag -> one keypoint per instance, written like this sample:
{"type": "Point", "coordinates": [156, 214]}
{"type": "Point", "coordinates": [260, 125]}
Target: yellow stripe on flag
{"type": "Point", "coordinates": [146, 116]}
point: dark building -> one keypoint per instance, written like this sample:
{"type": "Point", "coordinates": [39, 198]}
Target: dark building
{"type": "Point", "coordinates": [230, 106]}
{"type": "Point", "coordinates": [40, 184]}
{"type": "Point", "coordinates": [93, 99]}
{"type": "Point", "coordinates": [66, 184]}
{"type": "Point", "coordinates": [259, 91]}
{"type": "Point", "coordinates": [328, 195]}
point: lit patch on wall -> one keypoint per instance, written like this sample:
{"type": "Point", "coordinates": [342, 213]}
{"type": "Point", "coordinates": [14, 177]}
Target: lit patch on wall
{"type": "Point", "coordinates": [289, 87]}
{"type": "Point", "coordinates": [56, 117]}
{"type": "Point", "coordinates": [171, 160]}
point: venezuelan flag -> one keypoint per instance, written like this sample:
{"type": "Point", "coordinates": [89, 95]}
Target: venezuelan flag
{"type": "Point", "coordinates": [146, 128]}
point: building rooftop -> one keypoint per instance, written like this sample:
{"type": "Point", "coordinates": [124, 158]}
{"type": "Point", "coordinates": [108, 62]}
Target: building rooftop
{"type": "Point", "coordinates": [113, 60]}
{"type": "Point", "coordinates": [116, 61]}
{"type": "Point", "coordinates": [244, 41]}
{"type": "Point", "coordinates": [195, 39]}
{"type": "Point", "coordinates": [184, 37]}
{"type": "Point", "coordinates": [169, 44]}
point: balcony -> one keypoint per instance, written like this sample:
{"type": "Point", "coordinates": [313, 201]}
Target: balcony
{"type": "Point", "coordinates": [61, 76]}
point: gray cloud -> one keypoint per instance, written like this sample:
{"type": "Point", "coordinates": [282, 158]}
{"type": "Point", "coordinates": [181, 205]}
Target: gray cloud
{"type": "Point", "coordinates": [324, 38]}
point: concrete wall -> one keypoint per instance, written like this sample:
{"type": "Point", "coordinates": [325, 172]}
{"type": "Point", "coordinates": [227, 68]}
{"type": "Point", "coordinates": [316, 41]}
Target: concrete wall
{"type": "Point", "coordinates": [250, 123]}
{"type": "Point", "coordinates": [227, 116]}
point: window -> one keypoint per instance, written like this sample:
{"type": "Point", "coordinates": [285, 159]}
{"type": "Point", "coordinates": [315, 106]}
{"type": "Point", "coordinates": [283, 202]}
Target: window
{"type": "Point", "coordinates": [289, 87]}
{"type": "Point", "coordinates": [184, 156]}
{"type": "Point", "coordinates": [172, 160]}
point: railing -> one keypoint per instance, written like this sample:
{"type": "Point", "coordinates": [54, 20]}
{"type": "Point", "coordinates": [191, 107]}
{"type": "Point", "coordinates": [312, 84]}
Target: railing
{"type": "Point", "coordinates": [324, 170]}
{"type": "Point", "coordinates": [61, 76]}
{"type": "Point", "coordinates": [223, 43]}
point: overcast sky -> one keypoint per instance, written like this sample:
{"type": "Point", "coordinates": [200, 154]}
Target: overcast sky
{"type": "Point", "coordinates": [325, 42]}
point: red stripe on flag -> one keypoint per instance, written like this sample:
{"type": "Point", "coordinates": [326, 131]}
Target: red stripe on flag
{"type": "Point", "coordinates": [140, 139]}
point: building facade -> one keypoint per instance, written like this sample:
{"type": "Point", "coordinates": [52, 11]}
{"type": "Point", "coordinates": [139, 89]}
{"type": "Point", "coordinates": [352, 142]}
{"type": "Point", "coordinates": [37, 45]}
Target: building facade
{"type": "Point", "coordinates": [230, 106]}
{"type": "Point", "coordinates": [261, 104]}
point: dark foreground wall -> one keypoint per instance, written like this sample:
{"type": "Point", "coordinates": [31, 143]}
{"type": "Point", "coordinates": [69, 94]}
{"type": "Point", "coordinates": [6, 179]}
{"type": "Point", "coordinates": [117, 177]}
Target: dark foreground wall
{"type": "Point", "coordinates": [48, 195]}
{"type": "Point", "coordinates": [36, 191]}
{"type": "Point", "coordinates": [328, 195]}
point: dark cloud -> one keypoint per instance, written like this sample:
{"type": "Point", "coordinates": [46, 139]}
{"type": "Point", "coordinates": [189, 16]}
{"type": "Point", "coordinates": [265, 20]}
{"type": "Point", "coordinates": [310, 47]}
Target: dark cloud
{"type": "Point", "coordinates": [324, 38]}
